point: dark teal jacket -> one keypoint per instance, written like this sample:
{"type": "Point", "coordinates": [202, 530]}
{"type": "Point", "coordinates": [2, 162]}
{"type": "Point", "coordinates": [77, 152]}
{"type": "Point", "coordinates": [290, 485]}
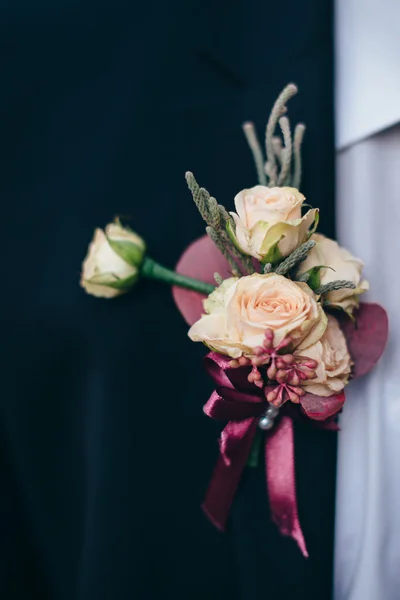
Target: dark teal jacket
{"type": "Point", "coordinates": [105, 453]}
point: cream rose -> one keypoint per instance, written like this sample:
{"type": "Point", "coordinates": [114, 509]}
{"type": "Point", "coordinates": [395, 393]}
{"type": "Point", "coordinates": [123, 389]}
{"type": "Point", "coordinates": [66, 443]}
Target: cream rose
{"type": "Point", "coordinates": [268, 223]}
{"type": "Point", "coordinates": [113, 261]}
{"type": "Point", "coordinates": [343, 265]}
{"type": "Point", "coordinates": [240, 311]}
{"type": "Point", "coordinates": [334, 362]}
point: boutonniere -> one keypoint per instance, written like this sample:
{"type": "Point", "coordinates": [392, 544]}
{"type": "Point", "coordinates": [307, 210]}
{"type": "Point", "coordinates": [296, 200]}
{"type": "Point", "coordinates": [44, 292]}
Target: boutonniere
{"type": "Point", "coordinates": [276, 304]}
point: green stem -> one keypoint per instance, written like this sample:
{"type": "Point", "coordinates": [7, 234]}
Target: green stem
{"type": "Point", "coordinates": [153, 270]}
{"type": "Point", "coordinates": [255, 450]}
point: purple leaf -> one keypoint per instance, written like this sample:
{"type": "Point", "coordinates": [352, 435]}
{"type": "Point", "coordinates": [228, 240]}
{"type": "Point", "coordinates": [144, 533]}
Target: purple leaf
{"type": "Point", "coordinates": [200, 260]}
{"type": "Point", "coordinates": [320, 408]}
{"type": "Point", "coordinates": [367, 337]}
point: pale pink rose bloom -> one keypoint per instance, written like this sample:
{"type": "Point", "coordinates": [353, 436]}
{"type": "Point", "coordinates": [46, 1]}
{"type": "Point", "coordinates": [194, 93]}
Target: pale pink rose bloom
{"type": "Point", "coordinates": [334, 362]}
{"type": "Point", "coordinates": [268, 221]}
{"type": "Point", "coordinates": [342, 265]}
{"type": "Point", "coordinates": [239, 312]}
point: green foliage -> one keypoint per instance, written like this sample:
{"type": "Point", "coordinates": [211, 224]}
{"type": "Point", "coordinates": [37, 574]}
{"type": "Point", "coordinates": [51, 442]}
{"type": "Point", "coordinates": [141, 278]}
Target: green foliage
{"type": "Point", "coordinates": [295, 257]}
{"type": "Point", "coordinates": [128, 251]}
{"type": "Point", "coordinates": [282, 164]}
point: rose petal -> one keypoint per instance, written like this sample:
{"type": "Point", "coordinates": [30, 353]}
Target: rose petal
{"type": "Point", "coordinates": [367, 337]}
{"type": "Point", "coordinates": [289, 235]}
{"type": "Point", "coordinates": [320, 408]}
{"type": "Point", "coordinates": [200, 260]}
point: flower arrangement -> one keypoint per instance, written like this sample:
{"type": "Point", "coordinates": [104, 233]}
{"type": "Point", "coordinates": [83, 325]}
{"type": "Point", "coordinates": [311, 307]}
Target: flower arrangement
{"type": "Point", "coordinates": [278, 307]}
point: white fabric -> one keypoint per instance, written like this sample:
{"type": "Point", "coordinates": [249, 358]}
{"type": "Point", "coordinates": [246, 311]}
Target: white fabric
{"type": "Point", "coordinates": [367, 68]}
{"type": "Point", "coordinates": [367, 552]}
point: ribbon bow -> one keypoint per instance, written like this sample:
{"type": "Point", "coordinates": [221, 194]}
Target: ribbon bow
{"type": "Point", "coordinates": [241, 404]}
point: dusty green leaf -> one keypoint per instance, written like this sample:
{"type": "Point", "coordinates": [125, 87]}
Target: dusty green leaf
{"type": "Point", "coordinates": [128, 251]}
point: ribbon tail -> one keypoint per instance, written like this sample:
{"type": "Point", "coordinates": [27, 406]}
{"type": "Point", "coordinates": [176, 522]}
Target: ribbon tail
{"type": "Point", "coordinates": [228, 470]}
{"type": "Point", "coordinates": [280, 474]}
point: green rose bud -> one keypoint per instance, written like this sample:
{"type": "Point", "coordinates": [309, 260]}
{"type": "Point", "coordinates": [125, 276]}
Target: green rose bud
{"type": "Point", "coordinates": [112, 265]}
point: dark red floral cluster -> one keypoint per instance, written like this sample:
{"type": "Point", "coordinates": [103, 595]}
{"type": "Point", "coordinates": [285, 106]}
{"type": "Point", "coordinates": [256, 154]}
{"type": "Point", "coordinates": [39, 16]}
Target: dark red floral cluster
{"type": "Point", "coordinates": [280, 374]}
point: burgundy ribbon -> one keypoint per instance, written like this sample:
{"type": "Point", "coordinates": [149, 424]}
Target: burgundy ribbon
{"type": "Point", "coordinates": [281, 481]}
{"type": "Point", "coordinates": [241, 404]}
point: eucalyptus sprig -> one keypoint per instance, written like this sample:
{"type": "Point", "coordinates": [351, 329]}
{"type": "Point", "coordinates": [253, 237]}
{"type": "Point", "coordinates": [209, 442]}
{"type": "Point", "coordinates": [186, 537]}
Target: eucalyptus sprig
{"type": "Point", "coordinates": [268, 268]}
{"type": "Point", "coordinates": [332, 286]}
{"type": "Point", "coordinates": [303, 277]}
{"type": "Point", "coordinates": [218, 220]}
{"type": "Point", "coordinates": [281, 164]}
{"type": "Point", "coordinates": [294, 258]}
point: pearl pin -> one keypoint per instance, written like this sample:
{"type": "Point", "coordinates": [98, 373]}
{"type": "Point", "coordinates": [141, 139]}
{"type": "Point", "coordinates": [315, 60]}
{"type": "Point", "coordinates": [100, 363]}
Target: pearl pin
{"type": "Point", "coordinates": [272, 412]}
{"type": "Point", "coordinates": [265, 423]}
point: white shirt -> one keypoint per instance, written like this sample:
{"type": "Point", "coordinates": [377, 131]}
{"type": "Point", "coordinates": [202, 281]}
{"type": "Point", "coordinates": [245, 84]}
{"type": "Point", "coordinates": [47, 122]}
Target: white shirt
{"type": "Point", "coordinates": [367, 34]}
{"type": "Point", "coordinates": [367, 552]}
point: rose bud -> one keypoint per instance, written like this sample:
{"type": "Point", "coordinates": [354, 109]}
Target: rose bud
{"type": "Point", "coordinates": [295, 379]}
{"type": "Point", "coordinates": [310, 363]}
{"type": "Point", "coordinates": [243, 361]}
{"type": "Point", "coordinates": [269, 338]}
{"type": "Point", "coordinates": [309, 373]}
{"type": "Point", "coordinates": [258, 360]}
{"type": "Point", "coordinates": [293, 397]}
{"type": "Point", "coordinates": [112, 265]}
{"type": "Point", "coordinates": [281, 376]}
{"type": "Point", "coordinates": [259, 351]}
{"type": "Point", "coordinates": [280, 363]}
{"type": "Point", "coordinates": [255, 377]}
{"type": "Point", "coordinates": [298, 390]}
{"type": "Point", "coordinates": [272, 396]}
{"type": "Point", "coordinates": [283, 361]}
{"type": "Point", "coordinates": [287, 358]}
